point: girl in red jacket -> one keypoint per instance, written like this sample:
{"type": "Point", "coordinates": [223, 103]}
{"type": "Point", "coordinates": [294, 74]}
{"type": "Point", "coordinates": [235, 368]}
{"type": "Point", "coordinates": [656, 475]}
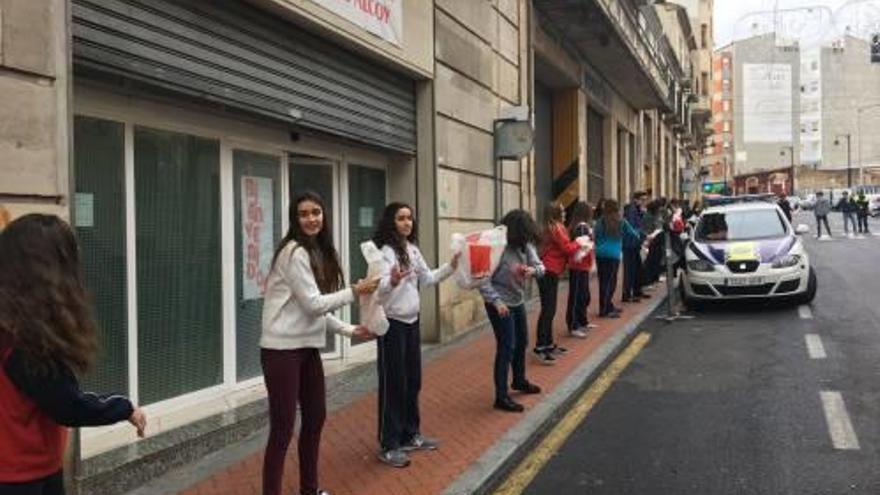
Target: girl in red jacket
{"type": "Point", "coordinates": [47, 340]}
{"type": "Point", "coordinates": [556, 248]}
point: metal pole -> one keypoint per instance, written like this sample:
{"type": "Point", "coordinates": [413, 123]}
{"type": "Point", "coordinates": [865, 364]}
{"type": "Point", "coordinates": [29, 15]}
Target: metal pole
{"type": "Point", "coordinates": [791, 192]}
{"type": "Point", "coordinates": [859, 138]}
{"type": "Point", "coordinates": [848, 162]}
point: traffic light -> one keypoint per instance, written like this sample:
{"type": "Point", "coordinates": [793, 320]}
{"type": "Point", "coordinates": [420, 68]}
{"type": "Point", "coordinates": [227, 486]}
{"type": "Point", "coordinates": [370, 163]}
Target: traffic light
{"type": "Point", "coordinates": [875, 49]}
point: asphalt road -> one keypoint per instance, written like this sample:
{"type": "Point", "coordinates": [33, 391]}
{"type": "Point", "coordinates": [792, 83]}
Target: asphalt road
{"type": "Point", "coordinates": [733, 403]}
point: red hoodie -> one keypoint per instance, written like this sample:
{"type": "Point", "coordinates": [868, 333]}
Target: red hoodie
{"type": "Point", "coordinates": [32, 445]}
{"type": "Point", "coordinates": [556, 249]}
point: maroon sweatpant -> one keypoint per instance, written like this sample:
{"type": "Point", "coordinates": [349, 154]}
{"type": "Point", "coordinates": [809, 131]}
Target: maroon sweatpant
{"type": "Point", "coordinates": [291, 376]}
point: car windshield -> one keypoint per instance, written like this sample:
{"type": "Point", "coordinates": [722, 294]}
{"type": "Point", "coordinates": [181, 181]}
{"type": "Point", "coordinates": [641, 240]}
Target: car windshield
{"type": "Point", "coordinates": [740, 225]}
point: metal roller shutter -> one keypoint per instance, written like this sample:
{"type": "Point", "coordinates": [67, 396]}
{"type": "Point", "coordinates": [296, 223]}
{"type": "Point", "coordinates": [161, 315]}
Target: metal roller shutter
{"type": "Point", "coordinates": [232, 53]}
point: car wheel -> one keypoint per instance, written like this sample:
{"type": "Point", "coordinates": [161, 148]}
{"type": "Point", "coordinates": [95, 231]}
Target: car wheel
{"type": "Point", "coordinates": [812, 287]}
{"type": "Point", "coordinates": [689, 303]}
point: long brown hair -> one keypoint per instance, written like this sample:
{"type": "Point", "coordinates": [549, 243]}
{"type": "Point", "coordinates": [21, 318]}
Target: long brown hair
{"type": "Point", "coordinates": [323, 257]}
{"type": "Point", "coordinates": [611, 218]}
{"type": "Point", "coordinates": [45, 311]}
{"type": "Point", "coordinates": [387, 235]}
{"type": "Point", "coordinates": [581, 213]}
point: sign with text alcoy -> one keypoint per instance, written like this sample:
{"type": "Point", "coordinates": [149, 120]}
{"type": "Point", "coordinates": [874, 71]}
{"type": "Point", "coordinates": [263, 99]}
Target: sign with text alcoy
{"type": "Point", "coordinates": [384, 18]}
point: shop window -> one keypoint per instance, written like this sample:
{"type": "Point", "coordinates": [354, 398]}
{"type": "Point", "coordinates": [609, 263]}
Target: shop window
{"type": "Point", "coordinates": [177, 207]}
{"type": "Point", "coordinates": [99, 219]}
{"type": "Point", "coordinates": [257, 197]}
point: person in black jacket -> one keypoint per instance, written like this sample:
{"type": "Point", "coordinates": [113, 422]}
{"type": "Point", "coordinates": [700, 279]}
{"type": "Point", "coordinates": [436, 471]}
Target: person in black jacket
{"type": "Point", "coordinates": [47, 340]}
{"type": "Point", "coordinates": [785, 206]}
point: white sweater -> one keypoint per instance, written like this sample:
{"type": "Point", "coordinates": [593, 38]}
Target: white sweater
{"type": "Point", "coordinates": [402, 303]}
{"type": "Point", "coordinates": [295, 313]}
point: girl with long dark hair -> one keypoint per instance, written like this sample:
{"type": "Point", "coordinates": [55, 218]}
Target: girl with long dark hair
{"type": "Point", "coordinates": [504, 296]}
{"type": "Point", "coordinates": [556, 249]}
{"type": "Point", "coordinates": [304, 287]}
{"type": "Point", "coordinates": [399, 359]}
{"type": "Point", "coordinates": [610, 232]}
{"type": "Point", "coordinates": [48, 340]}
{"type": "Point", "coordinates": [579, 273]}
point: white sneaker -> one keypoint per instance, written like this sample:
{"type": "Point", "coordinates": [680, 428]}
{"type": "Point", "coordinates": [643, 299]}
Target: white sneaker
{"type": "Point", "coordinates": [580, 333]}
{"type": "Point", "coordinates": [591, 326]}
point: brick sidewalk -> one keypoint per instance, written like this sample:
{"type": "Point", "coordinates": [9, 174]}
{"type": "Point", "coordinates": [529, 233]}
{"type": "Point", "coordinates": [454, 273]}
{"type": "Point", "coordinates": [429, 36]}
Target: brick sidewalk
{"type": "Point", "coordinates": [456, 408]}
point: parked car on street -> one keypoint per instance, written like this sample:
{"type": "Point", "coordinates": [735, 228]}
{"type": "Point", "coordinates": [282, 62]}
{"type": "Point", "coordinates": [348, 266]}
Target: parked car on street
{"type": "Point", "coordinates": [746, 250]}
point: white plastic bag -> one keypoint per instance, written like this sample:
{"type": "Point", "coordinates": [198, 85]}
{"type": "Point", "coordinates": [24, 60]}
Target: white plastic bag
{"type": "Point", "coordinates": [480, 254]}
{"type": "Point", "coordinates": [371, 311]}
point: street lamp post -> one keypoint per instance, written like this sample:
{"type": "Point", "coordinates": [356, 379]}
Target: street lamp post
{"type": "Point", "coordinates": [791, 167]}
{"type": "Point", "coordinates": [848, 157]}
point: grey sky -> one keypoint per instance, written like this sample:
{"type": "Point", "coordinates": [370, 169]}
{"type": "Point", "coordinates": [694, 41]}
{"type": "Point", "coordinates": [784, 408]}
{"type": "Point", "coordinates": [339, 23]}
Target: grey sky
{"type": "Point", "coordinates": [811, 21]}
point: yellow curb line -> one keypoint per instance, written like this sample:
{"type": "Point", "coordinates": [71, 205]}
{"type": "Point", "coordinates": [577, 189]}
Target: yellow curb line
{"type": "Point", "coordinates": [526, 471]}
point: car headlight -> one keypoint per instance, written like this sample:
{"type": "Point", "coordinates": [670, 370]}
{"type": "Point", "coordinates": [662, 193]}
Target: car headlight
{"type": "Point", "coordinates": [787, 261]}
{"type": "Point", "coordinates": [700, 266]}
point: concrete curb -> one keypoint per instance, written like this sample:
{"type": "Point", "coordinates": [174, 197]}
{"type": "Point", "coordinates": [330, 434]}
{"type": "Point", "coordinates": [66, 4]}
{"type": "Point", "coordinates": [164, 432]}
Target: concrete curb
{"type": "Point", "coordinates": [491, 468]}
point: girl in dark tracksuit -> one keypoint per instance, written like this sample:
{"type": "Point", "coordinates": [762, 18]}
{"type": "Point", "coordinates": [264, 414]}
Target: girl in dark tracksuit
{"type": "Point", "coordinates": [399, 361]}
{"type": "Point", "coordinates": [610, 232]}
{"type": "Point", "coordinates": [47, 340]}
{"type": "Point", "coordinates": [504, 295]}
{"type": "Point", "coordinates": [579, 273]}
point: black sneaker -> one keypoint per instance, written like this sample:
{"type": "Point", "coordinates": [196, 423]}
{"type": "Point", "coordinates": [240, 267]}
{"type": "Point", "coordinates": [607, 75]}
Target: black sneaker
{"type": "Point", "coordinates": [419, 442]}
{"type": "Point", "coordinates": [394, 457]}
{"type": "Point", "coordinates": [507, 404]}
{"type": "Point", "coordinates": [526, 388]}
{"type": "Point", "coordinates": [558, 350]}
{"type": "Point", "coordinates": [544, 357]}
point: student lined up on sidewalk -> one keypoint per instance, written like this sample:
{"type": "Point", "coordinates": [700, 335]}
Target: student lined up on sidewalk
{"type": "Point", "coordinates": [504, 297]}
{"type": "Point", "coordinates": [633, 270]}
{"type": "Point", "coordinates": [48, 340]}
{"type": "Point", "coordinates": [610, 232]}
{"type": "Point", "coordinates": [305, 286]}
{"type": "Point", "coordinates": [556, 249]}
{"type": "Point", "coordinates": [579, 268]}
{"type": "Point", "coordinates": [399, 359]}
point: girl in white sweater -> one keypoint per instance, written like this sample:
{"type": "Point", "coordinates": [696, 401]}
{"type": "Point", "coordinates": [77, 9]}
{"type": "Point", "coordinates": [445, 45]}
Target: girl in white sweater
{"type": "Point", "coordinates": [399, 358]}
{"type": "Point", "coordinates": [305, 286]}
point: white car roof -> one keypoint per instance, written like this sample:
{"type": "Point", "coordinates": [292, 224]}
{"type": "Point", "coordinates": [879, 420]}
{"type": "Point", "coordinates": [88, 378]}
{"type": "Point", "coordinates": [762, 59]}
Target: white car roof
{"type": "Point", "coordinates": [752, 206]}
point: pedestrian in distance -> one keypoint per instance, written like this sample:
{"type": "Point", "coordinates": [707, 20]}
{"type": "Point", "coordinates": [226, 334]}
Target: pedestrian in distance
{"type": "Point", "coordinates": [305, 286]}
{"type": "Point", "coordinates": [504, 297]}
{"type": "Point", "coordinates": [556, 249]}
{"type": "Point", "coordinates": [399, 357]}
{"type": "Point", "coordinates": [48, 342]}
{"type": "Point", "coordinates": [785, 206]}
{"type": "Point", "coordinates": [848, 208]}
{"type": "Point", "coordinates": [863, 210]}
{"type": "Point", "coordinates": [610, 232]}
{"type": "Point", "coordinates": [821, 210]}
{"type": "Point", "coordinates": [579, 268]}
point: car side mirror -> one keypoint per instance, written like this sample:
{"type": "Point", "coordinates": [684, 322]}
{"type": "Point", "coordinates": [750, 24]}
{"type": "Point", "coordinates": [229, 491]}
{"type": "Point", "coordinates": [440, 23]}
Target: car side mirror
{"type": "Point", "coordinates": [802, 229]}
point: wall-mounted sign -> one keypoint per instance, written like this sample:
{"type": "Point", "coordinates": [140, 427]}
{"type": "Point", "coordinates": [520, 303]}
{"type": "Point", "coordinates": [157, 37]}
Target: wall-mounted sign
{"type": "Point", "coordinates": [384, 18]}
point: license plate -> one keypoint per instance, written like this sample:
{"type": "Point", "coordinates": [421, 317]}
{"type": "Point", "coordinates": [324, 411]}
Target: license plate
{"type": "Point", "coordinates": [745, 281]}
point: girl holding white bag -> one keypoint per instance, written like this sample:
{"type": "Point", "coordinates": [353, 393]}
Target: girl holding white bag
{"type": "Point", "coordinates": [579, 268]}
{"type": "Point", "coordinates": [399, 352]}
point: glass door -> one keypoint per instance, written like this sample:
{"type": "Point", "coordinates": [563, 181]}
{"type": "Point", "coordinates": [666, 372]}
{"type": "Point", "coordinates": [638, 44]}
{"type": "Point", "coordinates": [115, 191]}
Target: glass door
{"type": "Point", "coordinates": [257, 193]}
{"type": "Point", "coordinates": [318, 175]}
{"type": "Point", "coordinates": [366, 200]}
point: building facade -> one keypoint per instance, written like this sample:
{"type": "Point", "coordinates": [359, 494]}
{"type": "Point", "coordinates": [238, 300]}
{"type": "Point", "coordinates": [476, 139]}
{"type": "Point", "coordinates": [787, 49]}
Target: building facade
{"type": "Point", "coordinates": [719, 158]}
{"type": "Point", "coordinates": [766, 94]}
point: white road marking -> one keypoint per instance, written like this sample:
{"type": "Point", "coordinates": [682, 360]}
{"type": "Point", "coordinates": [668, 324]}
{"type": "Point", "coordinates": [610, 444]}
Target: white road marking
{"type": "Point", "coordinates": [805, 312]}
{"type": "Point", "coordinates": [814, 346]}
{"type": "Point", "coordinates": [843, 437]}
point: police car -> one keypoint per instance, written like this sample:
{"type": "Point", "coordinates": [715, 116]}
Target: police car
{"type": "Point", "coordinates": [746, 249]}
